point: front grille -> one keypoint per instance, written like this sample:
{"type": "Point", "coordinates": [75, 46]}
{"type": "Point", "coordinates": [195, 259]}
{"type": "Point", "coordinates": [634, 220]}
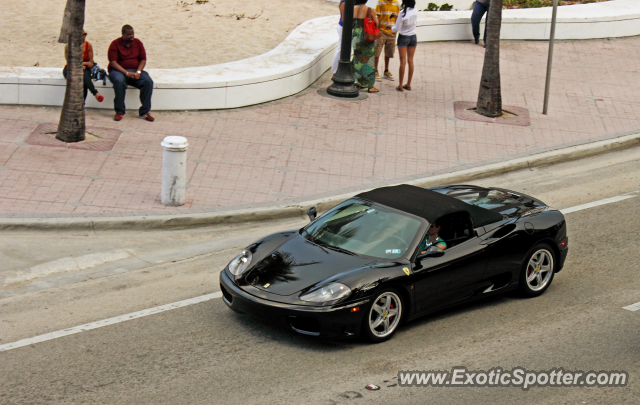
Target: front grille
{"type": "Point", "coordinates": [225, 295]}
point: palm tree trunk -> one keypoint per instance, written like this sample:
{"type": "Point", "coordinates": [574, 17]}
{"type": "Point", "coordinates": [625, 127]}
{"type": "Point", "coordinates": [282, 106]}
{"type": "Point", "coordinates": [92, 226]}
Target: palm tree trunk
{"type": "Point", "coordinates": [490, 96]}
{"type": "Point", "coordinates": [66, 23]}
{"type": "Point", "coordinates": [71, 127]}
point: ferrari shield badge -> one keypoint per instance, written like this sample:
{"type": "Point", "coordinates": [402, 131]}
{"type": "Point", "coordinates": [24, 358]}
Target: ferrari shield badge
{"type": "Point", "coordinates": [406, 271]}
{"type": "Point", "coordinates": [266, 285]}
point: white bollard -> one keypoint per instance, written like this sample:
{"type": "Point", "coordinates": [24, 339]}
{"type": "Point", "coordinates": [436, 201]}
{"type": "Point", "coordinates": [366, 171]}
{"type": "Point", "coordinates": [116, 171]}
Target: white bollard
{"type": "Point", "coordinates": [174, 170]}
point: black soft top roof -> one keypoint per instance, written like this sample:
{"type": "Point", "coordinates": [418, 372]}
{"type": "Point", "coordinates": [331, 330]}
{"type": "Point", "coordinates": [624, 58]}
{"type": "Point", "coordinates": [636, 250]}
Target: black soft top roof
{"type": "Point", "coordinates": [428, 204]}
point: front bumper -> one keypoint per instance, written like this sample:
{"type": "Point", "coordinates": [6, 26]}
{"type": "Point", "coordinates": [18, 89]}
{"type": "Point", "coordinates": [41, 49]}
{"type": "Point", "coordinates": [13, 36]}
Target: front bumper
{"type": "Point", "coordinates": [563, 257]}
{"type": "Point", "coordinates": [339, 322]}
{"type": "Point", "coordinates": [564, 251]}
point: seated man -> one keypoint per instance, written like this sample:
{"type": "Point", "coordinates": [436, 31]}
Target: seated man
{"type": "Point", "coordinates": [127, 58]}
{"type": "Point", "coordinates": [432, 238]}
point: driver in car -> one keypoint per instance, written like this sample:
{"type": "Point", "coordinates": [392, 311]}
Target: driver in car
{"type": "Point", "coordinates": [433, 239]}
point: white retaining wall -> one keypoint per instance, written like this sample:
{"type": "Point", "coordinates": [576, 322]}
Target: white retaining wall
{"type": "Point", "coordinates": [307, 53]}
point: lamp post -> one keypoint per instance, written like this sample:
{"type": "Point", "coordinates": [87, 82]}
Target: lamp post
{"type": "Point", "coordinates": [547, 86]}
{"type": "Point", "coordinates": [343, 81]}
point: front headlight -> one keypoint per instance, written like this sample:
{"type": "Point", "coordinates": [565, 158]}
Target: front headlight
{"type": "Point", "coordinates": [329, 292]}
{"type": "Point", "coordinates": [240, 263]}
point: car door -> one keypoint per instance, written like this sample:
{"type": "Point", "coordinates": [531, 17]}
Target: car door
{"type": "Point", "coordinates": [455, 275]}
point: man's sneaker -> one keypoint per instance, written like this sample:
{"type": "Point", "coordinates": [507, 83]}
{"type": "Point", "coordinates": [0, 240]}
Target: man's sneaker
{"type": "Point", "coordinates": [377, 75]}
{"type": "Point", "coordinates": [117, 117]}
{"type": "Point", "coordinates": [388, 75]}
{"type": "Point", "coordinates": [147, 117]}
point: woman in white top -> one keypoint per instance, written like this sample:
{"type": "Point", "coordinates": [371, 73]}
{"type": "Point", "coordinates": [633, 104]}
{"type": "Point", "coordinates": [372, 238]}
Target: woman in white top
{"type": "Point", "coordinates": [407, 40]}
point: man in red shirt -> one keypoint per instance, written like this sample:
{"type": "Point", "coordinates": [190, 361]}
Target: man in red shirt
{"type": "Point", "coordinates": [127, 58]}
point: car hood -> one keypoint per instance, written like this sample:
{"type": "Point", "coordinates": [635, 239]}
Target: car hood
{"type": "Point", "coordinates": [298, 264]}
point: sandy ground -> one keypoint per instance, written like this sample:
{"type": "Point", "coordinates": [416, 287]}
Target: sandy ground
{"type": "Point", "coordinates": [175, 33]}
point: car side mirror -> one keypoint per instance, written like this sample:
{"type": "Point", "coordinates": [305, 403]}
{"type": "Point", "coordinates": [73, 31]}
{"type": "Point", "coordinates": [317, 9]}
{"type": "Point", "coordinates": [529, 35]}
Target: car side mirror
{"type": "Point", "coordinates": [313, 213]}
{"type": "Point", "coordinates": [433, 251]}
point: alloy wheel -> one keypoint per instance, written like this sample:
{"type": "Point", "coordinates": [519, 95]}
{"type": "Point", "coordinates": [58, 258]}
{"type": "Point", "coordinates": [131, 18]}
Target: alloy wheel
{"type": "Point", "coordinates": [539, 270]}
{"type": "Point", "coordinates": [385, 314]}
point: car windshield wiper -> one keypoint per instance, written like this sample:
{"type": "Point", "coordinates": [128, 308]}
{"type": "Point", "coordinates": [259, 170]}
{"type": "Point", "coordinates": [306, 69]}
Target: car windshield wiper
{"type": "Point", "coordinates": [339, 249]}
{"type": "Point", "coordinates": [336, 248]}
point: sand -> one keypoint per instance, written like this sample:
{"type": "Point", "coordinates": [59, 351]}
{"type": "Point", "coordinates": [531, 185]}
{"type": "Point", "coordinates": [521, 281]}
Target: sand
{"type": "Point", "coordinates": [175, 33]}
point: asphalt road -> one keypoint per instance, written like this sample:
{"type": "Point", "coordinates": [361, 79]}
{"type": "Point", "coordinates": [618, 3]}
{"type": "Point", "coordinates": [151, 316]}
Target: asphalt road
{"type": "Point", "coordinates": [206, 354]}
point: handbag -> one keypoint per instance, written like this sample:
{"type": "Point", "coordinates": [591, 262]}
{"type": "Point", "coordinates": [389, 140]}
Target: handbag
{"type": "Point", "coordinates": [371, 32]}
{"type": "Point", "coordinates": [98, 74]}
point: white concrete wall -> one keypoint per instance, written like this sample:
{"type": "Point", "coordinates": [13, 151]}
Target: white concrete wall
{"type": "Point", "coordinates": [307, 53]}
{"type": "Point", "coordinates": [288, 69]}
{"type": "Point", "coordinates": [616, 18]}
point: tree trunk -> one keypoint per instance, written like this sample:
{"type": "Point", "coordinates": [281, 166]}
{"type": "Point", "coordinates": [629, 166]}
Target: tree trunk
{"type": "Point", "coordinates": [490, 96]}
{"type": "Point", "coordinates": [71, 127]}
{"type": "Point", "coordinates": [66, 24]}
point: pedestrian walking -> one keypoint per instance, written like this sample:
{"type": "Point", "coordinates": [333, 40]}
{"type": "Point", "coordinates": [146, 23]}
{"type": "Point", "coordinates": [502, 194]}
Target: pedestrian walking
{"type": "Point", "coordinates": [127, 59]}
{"type": "Point", "coordinates": [387, 11]}
{"type": "Point", "coordinates": [336, 58]}
{"type": "Point", "coordinates": [87, 64]}
{"type": "Point", "coordinates": [363, 51]}
{"type": "Point", "coordinates": [480, 8]}
{"type": "Point", "coordinates": [407, 40]}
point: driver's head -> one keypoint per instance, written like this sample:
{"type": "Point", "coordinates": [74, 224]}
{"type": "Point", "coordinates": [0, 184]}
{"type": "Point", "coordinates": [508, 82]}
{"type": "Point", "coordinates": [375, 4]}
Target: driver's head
{"type": "Point", "coordinates": [434, 228]}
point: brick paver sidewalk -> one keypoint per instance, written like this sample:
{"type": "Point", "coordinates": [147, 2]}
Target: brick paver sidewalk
{"type": "Point", "coordinates": [309, 144]}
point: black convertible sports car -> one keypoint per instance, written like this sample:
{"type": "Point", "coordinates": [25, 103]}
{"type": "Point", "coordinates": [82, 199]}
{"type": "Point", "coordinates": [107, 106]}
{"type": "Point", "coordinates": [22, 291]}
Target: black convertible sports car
{"type": "Point", "coordinates": [365, 266]}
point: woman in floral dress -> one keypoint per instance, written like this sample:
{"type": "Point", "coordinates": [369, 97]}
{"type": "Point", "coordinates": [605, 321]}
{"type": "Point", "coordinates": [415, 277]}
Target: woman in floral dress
{"type": "Point", "coordinates": [363, 51]}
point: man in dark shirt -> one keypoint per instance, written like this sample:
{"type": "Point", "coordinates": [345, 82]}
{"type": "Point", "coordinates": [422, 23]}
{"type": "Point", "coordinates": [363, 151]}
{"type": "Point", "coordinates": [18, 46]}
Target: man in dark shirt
{"type": "Point", "coordinates": [127, 58]}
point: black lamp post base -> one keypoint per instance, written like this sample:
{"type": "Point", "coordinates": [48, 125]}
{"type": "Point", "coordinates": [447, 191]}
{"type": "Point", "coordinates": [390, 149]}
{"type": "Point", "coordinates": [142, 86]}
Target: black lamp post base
{"type": "Point", "coordinates": [343, 91]}
{"type": "Point", "coordinates": [363, 95]}
{"type": "Point", "coordinates": [343, 82]}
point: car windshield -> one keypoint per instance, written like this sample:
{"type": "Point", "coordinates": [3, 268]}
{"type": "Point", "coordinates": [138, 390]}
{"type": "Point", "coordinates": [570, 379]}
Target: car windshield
{"type": "Point", "coordinates": [365, 228]}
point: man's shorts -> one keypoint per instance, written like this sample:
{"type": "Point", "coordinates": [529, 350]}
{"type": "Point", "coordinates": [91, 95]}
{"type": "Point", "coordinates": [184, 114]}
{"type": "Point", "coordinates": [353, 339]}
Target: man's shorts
{"type": "Point", "coordinates": [388, 42]}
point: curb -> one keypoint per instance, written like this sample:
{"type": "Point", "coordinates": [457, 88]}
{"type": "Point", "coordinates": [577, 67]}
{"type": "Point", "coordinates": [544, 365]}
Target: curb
{"type": "Point", "coordinates": [299, 207]}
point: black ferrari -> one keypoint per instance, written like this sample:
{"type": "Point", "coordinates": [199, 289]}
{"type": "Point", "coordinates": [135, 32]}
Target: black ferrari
{"type": "Point", "coordinates": [396, 253]}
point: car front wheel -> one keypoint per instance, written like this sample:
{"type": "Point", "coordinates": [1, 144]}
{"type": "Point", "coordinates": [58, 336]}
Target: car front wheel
{"type": "Point", "coordinates": [537, 270]}
{"type": "Point", "coordinates": [383, 317]}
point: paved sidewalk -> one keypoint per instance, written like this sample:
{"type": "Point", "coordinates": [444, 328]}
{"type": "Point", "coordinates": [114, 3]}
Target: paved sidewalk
{"type": "Point", "coordinates": [308, 144]}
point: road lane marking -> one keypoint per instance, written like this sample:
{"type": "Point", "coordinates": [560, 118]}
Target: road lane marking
{"type": "Point", "coordinates": [109, 321]}
{"type": "Point", "coordinates": [599, 202]}
{"type": "Point", "coordinates": [202, 298]}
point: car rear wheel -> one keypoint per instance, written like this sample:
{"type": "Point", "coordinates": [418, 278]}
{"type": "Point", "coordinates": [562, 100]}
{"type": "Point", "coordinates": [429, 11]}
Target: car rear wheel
{"type": "Point", "coordinates": [384, 315]}
{"type": "Point", "coordinates": [537, 270]}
